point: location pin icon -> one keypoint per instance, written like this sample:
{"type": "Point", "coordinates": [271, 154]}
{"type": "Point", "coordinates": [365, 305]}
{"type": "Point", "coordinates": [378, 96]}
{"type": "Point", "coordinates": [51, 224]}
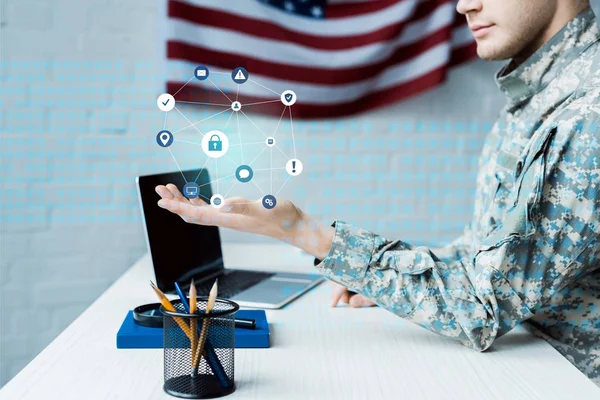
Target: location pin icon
{"type": "Point", "coordinates": [164, 138]}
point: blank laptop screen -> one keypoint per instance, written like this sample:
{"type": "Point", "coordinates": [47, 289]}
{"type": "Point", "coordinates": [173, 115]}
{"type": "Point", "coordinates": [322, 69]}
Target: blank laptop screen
{"type": "Point", "coordinates": [179, 250]}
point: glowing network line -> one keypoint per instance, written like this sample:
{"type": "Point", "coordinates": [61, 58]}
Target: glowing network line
{"type": "Point", "coordinates": [215, 143]}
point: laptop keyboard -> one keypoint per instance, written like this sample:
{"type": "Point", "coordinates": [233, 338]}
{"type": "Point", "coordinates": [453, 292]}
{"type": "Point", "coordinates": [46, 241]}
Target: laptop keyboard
{"type": "Point", "coordinates": [233, 282]}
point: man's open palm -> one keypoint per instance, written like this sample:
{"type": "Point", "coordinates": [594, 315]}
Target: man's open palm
{"type": "Point", "coordinates": [236, 213]}
{"type": "Point", "coordinates": [285, 222]}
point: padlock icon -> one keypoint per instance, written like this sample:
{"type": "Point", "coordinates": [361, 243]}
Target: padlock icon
{"type": "Point", "coordinates": [215, 145]}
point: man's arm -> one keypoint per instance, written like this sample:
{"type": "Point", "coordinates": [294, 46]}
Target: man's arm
{"type": "Point", "coordinates": [548, 239]}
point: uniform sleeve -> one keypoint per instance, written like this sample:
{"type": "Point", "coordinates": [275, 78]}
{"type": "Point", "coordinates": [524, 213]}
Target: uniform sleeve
{"type": "Point", "coordinates": [458, 249]}
{"type": "Point", "coordinates": [548, 238]}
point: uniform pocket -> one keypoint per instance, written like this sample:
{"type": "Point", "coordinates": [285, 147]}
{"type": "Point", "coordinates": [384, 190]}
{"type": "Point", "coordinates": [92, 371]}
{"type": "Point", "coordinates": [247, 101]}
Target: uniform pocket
{"type": "Point", "coordinates": [519, 218]}
{"type": "Point", "coordinates": [537, 150]}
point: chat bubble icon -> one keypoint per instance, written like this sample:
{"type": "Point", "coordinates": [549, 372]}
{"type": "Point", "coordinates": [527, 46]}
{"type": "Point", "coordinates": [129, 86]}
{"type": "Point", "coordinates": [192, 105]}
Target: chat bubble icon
{"type": "Point", "coordinates": [244, 173]}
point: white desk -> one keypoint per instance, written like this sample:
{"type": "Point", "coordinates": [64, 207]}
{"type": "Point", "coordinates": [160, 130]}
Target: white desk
{"type": "Point", "coordinates": [317, 352]}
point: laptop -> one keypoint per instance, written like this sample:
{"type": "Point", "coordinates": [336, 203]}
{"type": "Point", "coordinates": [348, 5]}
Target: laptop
{"type": "Point", "coordinates": [182, 251]}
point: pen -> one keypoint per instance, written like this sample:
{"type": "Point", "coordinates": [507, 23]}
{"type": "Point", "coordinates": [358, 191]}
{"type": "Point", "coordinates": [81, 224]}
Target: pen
{"type": "Point", "coordinates": [190, 309]}
{"type": "Point", "coordinates": [211, 356]}
{"type": "Point", "coordinates": [212, 298]}
{"type": "Point", "coordinates": [245, 323]}
{"type": "Point", "coordinates": [193, 322]}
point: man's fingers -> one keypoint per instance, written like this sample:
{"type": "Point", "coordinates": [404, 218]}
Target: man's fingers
{"type": "Point", "coordinates": [197, 201]}
{"type": "Point", "coordinates": [338, 292]}
{"type": "Point", "coordinates": [196, 214]}
{"type": "Point", "coordinates": [175, 206]}
{"type": "Point", "coordinates": [163, 192]}
{"type": "Point", "coordinates": [346, 296]}
{"type": "Point", "coordinates": [360, 301]}
{"type": "Point", "coordinates": [176, 193]}
{"type": "Point", "coordinates": [187, 211]}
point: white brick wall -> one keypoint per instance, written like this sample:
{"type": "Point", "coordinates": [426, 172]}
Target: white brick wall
{"type": "Point", "coordinates": [69, 159]}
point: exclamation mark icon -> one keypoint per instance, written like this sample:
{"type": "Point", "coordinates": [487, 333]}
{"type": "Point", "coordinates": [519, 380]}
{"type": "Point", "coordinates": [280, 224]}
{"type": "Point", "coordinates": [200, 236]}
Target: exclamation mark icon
{"type": "Point", "coordinates": [294, 167]}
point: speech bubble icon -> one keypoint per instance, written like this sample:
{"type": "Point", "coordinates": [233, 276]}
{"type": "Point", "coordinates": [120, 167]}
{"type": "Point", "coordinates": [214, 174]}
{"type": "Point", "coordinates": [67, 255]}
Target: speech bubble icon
{"type": "Point", "coordinates": [244, 173]}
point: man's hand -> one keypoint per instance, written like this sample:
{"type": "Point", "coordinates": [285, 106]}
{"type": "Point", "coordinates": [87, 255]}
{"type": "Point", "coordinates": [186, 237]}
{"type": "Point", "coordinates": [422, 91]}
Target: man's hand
{"type": "Point", "coordinates": [285, 222]}
{"type": "Point", "coordinates": [355, 300]}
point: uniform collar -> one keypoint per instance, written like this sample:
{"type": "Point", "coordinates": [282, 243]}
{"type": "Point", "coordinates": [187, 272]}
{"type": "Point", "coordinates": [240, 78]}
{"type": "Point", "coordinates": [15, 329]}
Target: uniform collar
{"type": "Point", "coordinates": [548, 61]}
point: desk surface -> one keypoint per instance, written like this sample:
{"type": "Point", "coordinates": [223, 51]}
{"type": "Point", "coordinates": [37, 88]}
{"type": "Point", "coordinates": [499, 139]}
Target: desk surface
{"type": "Point", "coordinates": [317, 352]}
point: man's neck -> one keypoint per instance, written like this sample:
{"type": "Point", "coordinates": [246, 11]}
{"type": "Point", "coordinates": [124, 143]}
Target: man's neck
{"type": "Point", "coordinates": [565, 12]}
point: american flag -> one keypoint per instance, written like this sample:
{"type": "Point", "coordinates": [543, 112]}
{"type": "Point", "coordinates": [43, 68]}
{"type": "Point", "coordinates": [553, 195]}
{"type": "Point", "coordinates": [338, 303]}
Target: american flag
{"type": "Point", "coordinates": [340, 57]}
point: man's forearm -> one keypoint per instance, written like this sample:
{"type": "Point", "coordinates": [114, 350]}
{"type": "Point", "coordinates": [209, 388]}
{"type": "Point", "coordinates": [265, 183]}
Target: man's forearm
{"type": "Point", "coordinates": [310, 235]}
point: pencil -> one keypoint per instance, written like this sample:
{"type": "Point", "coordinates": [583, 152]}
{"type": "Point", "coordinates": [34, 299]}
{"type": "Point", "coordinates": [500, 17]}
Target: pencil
{"type": "Point", "coordinates": [169, 307]}
{"type": "Point", "coordinates": [208, 351]}
{"type": "Point", "coordinates": [193, 322]}
{"type": "Point", "coordinates": [212, 297]}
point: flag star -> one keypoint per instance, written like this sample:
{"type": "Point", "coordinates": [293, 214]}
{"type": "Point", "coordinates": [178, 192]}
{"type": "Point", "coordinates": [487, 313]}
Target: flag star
{"type": "Point", "coordinates": [289, 6]}
{"type": "Point", "coordinates": [317, 11]}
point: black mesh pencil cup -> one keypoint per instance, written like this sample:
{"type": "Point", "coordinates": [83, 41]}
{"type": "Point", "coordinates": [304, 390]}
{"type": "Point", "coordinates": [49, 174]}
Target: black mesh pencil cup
{"type": "Point", "coordinates": [199, 350]}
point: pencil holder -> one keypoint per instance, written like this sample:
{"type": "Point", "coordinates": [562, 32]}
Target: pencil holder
{"type": "Point", "coordinates": [199, 350]}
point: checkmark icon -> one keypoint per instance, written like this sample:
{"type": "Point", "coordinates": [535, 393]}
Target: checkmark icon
{"type": "Point", "coordinates": [165, 102]}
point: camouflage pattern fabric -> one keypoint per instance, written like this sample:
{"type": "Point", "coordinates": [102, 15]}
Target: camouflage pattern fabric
{"type": "Point", "coordinates": [531, 253]}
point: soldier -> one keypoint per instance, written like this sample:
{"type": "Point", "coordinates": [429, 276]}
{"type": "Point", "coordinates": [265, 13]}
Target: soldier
{"type": "Point", "coordinates": [531, 253]}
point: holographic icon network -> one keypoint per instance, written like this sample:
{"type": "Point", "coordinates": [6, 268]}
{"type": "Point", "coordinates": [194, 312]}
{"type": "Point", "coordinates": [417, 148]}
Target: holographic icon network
{"type": "Point", "coordinates": [215, 144]}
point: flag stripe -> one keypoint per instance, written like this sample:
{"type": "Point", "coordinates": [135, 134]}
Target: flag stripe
{"type": "Point", "coordinates": [291, 54]}
{"type": "Point", "coordinates": [324, 94]}
{"type": "Point", "coordinates": [345, 10]}
{"type": "Point", "coordinates": [350, 26]}
{"type": "Point", "coordinates": [461, 36]}
{"type": "Point", "coordinates": [304, 110]}
{"type": "Point", "coordinates": [364, 55]}
{"type": "Point", "coordinates": [316, 75]}
{"type": "Point", "coordinates": [322, 89]}
{"type": "Point", "coordinates": [205, 17]}
{"type": "Point", "coordinates": [463, 53]}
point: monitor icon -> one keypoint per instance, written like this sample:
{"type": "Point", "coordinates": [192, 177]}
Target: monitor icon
{"type": "Point", "coordinates": [191, 190]}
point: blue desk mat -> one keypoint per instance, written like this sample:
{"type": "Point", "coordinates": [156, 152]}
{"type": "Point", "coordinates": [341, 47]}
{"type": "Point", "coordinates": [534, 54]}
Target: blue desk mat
{"type": "Point", "coordinates": [134, 336]}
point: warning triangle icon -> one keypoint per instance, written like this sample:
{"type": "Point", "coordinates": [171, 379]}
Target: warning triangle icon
{"type": "Point", "coordinates": [240, 76]}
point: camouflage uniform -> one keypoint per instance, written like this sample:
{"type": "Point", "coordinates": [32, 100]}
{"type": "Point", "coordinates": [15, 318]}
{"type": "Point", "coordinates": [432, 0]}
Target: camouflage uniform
{"type": "Point", "coordinates": [531, 253]}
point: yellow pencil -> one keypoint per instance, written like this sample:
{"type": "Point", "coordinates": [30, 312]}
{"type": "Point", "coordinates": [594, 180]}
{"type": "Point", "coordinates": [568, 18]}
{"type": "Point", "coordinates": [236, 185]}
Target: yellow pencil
{"type": "Point", "coordinates": [169, 307]}
{"type": "Point", "coordinates": [193, 322]}
{"type": "Point", "coordinates": [212, 297]}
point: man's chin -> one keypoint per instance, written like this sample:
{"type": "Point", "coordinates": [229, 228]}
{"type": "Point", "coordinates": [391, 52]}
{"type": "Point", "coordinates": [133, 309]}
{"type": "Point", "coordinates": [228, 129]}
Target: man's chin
{"type": "Point", "coordinates": [490, 53]}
